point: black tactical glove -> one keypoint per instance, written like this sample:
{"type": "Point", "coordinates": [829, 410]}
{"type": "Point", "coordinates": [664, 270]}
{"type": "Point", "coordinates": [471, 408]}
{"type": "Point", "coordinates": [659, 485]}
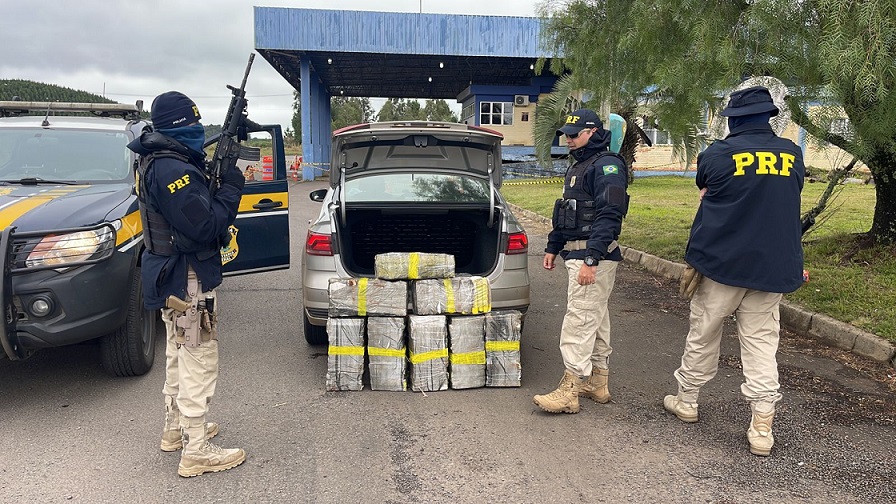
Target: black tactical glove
{"type": "Point", "coordinates": [234, 177]}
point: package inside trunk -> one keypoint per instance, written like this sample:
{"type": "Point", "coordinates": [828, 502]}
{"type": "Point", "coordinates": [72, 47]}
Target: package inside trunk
{"type": "Point", "coordinates": [464, 233]}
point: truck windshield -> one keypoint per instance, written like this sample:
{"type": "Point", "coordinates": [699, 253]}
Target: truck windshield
{"type": "Point", "coordinates": [59, 154]}
{"type": "Point", "coordinates": [416, 187]}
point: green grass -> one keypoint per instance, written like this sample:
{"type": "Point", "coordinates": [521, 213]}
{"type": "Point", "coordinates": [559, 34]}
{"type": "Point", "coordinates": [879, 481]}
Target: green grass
{"type": "Point", "coordinates": [861, 292]}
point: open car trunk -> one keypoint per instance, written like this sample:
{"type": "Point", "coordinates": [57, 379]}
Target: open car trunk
{"type": "Point", "coordinates": [461, 232]}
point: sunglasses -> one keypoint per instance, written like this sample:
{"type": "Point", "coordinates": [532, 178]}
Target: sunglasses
{"type": "Point", "coordinates": [573, 136]}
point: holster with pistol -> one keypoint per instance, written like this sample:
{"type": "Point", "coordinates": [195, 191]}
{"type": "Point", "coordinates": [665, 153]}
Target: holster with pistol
{"type": "Point", "coordinates": [195, 319]}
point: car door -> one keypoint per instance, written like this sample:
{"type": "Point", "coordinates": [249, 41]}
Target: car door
{"type": "Point", "coordinates": [260, 233]}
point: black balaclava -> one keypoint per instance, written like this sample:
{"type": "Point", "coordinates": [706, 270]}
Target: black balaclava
{"type": "Point", "coordinates": [735, 121]}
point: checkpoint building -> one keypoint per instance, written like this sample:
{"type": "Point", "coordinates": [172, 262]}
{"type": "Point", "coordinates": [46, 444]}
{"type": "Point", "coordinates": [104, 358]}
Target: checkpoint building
{"type": "Point", "coordinates": [484, 63]}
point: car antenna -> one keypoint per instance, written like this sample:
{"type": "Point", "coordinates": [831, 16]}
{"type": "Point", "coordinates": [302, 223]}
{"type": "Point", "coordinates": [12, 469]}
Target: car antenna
{"type": "Point", "coordinates": [46, 122]}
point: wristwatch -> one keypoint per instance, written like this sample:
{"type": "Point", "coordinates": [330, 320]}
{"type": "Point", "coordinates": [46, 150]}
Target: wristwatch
{"type": "Point", "coordinates": [590, 261]}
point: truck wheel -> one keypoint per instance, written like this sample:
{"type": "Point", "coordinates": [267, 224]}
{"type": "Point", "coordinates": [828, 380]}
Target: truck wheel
{"type": "Point", "coordinates": [130, 350]}
{"type": "Point", "coordinates": [315, 335]}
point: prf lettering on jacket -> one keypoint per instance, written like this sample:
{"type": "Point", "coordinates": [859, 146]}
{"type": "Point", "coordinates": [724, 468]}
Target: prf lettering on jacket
{"type": "Point", "coordinates": [179, 183]}
{"type": "Point", "coordinates": [765, 163]}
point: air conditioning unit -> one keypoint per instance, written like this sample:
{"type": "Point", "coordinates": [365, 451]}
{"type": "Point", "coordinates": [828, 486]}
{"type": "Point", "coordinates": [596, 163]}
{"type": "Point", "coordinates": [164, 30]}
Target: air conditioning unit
{"type": "Point", "coordinates": [521, 100]}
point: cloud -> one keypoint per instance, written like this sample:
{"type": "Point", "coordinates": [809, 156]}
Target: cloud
{"type": "Point", "coordinates": [132, 51]}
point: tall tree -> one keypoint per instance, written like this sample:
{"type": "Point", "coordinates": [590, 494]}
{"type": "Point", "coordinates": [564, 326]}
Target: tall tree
{"type": "Point", "coordinates": [682, 56]}
{"type": "Point", "coordinates": [297, 115]}
{"type": "Point", "coordinates": [401, 109]}
{"type": "Point", "coordinates": [438, 110]}
{"type": "Point", "coordinates": [345, 111]}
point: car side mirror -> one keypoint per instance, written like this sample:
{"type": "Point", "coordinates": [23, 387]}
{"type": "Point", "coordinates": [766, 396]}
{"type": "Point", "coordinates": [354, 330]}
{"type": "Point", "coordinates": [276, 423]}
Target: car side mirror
{"type": "Point", "coordinates": [317, 195]}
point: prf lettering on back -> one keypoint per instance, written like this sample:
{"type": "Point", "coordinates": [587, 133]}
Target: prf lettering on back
{"type": "Point", "coordinates": [179, 183]}
{"type": "Point", "coordinates": [764, 163]}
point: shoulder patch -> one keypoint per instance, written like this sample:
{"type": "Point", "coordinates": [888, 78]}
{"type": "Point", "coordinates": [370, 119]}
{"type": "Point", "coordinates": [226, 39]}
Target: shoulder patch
{"type": "Point", "coordinates": [611, 169]}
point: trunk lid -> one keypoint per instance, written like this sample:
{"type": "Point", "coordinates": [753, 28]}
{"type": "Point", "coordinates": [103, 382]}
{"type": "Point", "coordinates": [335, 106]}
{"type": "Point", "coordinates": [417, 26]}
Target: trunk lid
{"type": "Point", "coordinates": [416, 146]}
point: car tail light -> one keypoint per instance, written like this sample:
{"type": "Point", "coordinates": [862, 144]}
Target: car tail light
{"type": "Point", "coordinates": [318, 244]}
{"type": "Point", "coordinates": [517, 243]}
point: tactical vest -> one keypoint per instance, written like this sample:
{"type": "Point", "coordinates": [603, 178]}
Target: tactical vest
{"type": "Point", "coordinates": [575, 213]}
{"type": "Point", "coordinates": [158, 235]}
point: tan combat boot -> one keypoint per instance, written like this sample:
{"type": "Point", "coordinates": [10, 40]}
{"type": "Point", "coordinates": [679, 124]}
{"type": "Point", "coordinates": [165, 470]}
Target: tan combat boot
{"type": "Point", "coordinates": [760, 433]}
{"type": "Point", "coordinates": [685, 411]}
{"type": "Point", "coordinates": [595, 387]}
{"type": "Point", "coordinates": [565, 399]}
{"type": "Point", "coordinates": [172, 439]}
{"type": "Point", "coordinates": [200, 456]}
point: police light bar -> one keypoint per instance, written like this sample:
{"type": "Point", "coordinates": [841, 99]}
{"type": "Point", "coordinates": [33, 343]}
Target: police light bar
{"type": "Point", "coordinates": [9, 108]}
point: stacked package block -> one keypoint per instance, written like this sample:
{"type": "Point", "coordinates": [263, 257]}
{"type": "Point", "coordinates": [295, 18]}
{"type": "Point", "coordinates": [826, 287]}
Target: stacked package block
{"type": "Point", "coordinates": [387, 353]}
{"type": "Point", "coordinates": [413, 265]}
{"type": "Point", "coordinates": [459, 295]}
{"type": "Point", "coordinates": [502, 349]}
{"type": "Point", "coordinates": [345, 360]}
{"type": "Point", "coordinates": [467, 355]}
{"type": "Point", "coordinates": [359, 297]}
{"type": "Point", "coordinates": [428, 345]}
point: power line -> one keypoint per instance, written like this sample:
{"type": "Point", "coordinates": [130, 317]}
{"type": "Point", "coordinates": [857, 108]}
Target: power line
{"type": "Point", "coordinates": [205, 97]}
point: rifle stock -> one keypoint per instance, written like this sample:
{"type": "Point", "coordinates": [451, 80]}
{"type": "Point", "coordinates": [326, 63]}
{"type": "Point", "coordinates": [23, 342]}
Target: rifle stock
{"type": "Point", "coordinates": [227, 150]}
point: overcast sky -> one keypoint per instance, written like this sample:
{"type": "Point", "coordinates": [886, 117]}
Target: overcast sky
{"type": "Point", "coordinates": [132, 50]}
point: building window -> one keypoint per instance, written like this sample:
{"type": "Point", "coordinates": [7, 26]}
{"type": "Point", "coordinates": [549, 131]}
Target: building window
{"type": "Point", "coordinates": [466, 113]}
{"type": "Point", "coordinates": [525, 117]}
{"type": "Point", "coordinates": [657, 136]}
{"type": "Point", "coordinates": [496, 113]}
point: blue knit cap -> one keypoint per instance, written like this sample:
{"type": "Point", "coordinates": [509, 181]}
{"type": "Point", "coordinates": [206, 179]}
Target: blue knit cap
{"type": "Point", "coordinates": [173, 110]}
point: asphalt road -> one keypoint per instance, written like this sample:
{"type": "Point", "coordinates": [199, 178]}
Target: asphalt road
{"type": "Point", "coordinates": [71, 434]}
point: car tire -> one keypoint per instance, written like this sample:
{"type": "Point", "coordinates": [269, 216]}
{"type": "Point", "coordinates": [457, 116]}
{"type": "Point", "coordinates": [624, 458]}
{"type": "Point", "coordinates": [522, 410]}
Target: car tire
{"type": "Point", "coordinates": [130, 350]}
{"type": "Point", "coordinates": [315, 335]}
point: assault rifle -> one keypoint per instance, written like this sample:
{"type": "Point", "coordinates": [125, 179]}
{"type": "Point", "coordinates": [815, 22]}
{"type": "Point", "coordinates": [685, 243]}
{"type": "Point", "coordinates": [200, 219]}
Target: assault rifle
{"type": "Point", "coordinates": [234, 129]}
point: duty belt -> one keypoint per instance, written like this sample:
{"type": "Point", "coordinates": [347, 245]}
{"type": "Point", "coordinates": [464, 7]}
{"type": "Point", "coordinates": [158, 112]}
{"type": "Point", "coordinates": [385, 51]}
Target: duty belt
{"type": "Point", "coordinates": [583, 245]}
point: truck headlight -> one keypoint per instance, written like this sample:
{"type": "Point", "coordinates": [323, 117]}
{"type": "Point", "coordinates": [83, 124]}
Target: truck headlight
{"type": "Point", "coordinates": [61, 250]}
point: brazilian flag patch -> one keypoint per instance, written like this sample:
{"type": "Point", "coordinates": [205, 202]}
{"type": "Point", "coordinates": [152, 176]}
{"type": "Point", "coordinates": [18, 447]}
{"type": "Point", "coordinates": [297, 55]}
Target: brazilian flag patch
{"type": "Point", "coordinates": [611, 169]}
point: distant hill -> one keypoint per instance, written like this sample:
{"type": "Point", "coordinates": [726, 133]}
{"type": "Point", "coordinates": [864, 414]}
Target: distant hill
{"type": "Point", "coordinates": [28, 90]}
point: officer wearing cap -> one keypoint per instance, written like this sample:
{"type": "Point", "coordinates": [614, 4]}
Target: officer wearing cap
{"type": "Point", "coordinates": [744, 252]}
{"type": "Point", "coordinates": [184, 227]}
{"type": "Point", "coordinates": [586, 225]}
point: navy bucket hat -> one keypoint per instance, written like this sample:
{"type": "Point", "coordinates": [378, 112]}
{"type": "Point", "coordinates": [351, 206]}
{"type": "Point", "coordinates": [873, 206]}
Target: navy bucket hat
{"type": "Point", "coordinates": [753, 100]}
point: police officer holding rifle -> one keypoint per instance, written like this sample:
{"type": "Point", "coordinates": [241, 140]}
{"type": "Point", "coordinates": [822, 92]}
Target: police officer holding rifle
{"type": "Point", "coordinates": [187, 207]}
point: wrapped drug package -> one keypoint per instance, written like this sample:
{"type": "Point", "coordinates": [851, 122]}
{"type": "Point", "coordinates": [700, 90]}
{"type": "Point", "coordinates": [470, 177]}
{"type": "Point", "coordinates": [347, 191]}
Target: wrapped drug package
{"type": "Point", "coordinates": [459, 295]}
{"type": "Point", "coordinates": [413, 265]}
{"type": "Point", "coordinates": [345, 355]}
{"type": "Point", "coordinates": [428, 345]}
{"type": "Point", "coordinates": [359, 297]}
{"type": "Point", "coordinates": [387, 353]}
{"type": "Point", "coordinates": [466, 335]}
{"type": "Point", "coordinates": [502, 349]}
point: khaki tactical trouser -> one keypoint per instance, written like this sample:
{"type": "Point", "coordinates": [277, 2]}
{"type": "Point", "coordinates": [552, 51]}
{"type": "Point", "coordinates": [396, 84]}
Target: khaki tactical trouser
{"type": "Point", "coordinates": [585, 335]}
{"type": "Point", "coordinates": [191, 373]}
{"type": "Point", "coordinates": [758, 326]}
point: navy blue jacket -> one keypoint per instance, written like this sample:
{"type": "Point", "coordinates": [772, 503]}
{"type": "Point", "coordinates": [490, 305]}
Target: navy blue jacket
{"type": "Point", "coordinates": [747, 230]}
{"type": "Point", "coordinates": [605, 181]}
{"type": "Point", "coordinates": [179, 191]}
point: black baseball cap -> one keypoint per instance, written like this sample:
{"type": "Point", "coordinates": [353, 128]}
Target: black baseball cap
{"type": "Point", "coordinates": [173, 109]}
{"type": "Point", "coordinates": [579, 120]}
{"type": "Point", "coordinates": [753, 100]}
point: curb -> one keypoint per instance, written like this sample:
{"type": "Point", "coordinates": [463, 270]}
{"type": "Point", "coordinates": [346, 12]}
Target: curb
{"type": "Point", "coordinates": [823, 328]}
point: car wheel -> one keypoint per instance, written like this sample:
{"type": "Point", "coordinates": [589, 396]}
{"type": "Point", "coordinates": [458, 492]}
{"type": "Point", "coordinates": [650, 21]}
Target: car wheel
{"type": "Point", "coordinates": [315, 335]}
{"type": "Point", "coordinates": [130, 350]}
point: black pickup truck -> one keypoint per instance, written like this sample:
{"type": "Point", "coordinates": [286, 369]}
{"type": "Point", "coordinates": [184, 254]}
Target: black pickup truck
{"type": "Point", "coordinates": [71, 235]}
